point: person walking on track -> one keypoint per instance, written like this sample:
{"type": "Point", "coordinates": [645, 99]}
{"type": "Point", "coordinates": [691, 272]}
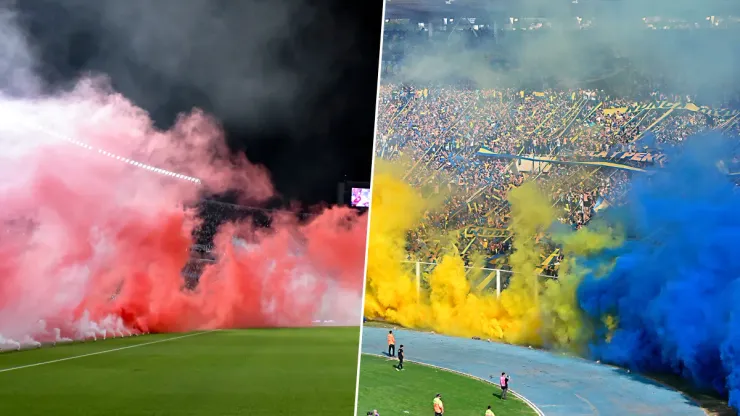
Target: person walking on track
{"type": "Point", "coordinates": [391, 344]}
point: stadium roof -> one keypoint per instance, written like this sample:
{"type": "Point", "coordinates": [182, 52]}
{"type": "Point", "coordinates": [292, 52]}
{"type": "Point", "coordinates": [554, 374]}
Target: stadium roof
{"type": "Point", "coordinates": [409, 9]}
{"type": "Point", "coordinates": [405, 9]}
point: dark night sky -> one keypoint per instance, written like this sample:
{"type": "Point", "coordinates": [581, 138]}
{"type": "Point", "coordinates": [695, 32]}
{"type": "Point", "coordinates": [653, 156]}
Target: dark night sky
{"type": "Point", "coordinates": [295, 88]}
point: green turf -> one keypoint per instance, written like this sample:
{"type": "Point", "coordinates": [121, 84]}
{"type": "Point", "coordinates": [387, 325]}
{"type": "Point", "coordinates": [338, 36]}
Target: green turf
{"type": "Point", "coordinates": [269, 372]}
{"type": "Point", "coordinates": [411, 391]}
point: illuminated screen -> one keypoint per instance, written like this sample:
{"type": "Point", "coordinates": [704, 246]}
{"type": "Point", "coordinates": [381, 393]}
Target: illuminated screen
{"type": "Point", "coordinates": [361, 197]}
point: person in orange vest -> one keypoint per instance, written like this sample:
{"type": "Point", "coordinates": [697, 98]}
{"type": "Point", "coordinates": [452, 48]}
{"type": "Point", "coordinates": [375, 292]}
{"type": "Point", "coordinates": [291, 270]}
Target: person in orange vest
{"type": "Point", "coordinates": [391, 344]}
{"type": "Point", "coordinates": [439, 407]}
{"type": "Point", "coordinates": [489, 412]}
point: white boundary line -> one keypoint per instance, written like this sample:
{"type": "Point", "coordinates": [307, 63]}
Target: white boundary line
{"type": "Point", "coordinates": [370, 211]}
{"type": "Point", "coordinates": [5, 370]}
{"type": "Point", "coordinates": [594, 410]}
{"type": "Point", "coordinates": [517, 395]}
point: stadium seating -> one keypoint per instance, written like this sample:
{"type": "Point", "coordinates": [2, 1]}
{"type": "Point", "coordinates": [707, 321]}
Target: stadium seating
{"type": "Point", "coordinates": [442, 129]}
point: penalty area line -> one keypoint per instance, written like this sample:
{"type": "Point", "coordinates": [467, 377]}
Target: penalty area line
{"type": "Point", "coordinates": [5, 370]}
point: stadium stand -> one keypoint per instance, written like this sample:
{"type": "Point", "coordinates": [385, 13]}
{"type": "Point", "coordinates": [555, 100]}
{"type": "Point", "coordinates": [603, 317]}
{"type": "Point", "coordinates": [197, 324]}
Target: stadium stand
{"type": "Point", "coordinates": [443, 129]}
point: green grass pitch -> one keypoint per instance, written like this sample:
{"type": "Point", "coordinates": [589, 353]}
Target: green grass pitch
{"type": "Point", "coordinates": [411, 391]}
{"type": "Point", "coordinates": [270, 372]}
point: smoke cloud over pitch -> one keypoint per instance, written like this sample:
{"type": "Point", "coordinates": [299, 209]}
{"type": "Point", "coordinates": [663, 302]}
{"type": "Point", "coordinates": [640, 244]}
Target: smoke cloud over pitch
{"type": "Point", "coordinates": [614, 40]}
{"type": "Point", "coordinates": [652, 286]}
{"type": "Point", "coordinates": [672, 292]}
{"type": "Point", "coordinates": [95, 236]}
{"type": "Point", "coordinates": [250, 61]}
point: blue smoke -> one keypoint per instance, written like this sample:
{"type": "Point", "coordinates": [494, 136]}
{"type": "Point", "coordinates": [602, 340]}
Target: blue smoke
{"type": "Point", "coordinates": [674, 286]}
{"type": "Point", "coordinates": [647, 141]}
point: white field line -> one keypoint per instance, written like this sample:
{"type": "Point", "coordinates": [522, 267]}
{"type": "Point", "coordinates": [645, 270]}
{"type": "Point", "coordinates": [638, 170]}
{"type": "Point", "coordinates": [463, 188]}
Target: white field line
{"type": "Point", "coordinates": [5, 370]}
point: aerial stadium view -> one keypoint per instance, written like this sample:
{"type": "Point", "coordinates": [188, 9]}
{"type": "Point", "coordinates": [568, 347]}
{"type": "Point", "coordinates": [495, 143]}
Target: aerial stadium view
{"type": "Point", "coordinates": [153, 267]}
{"type": "Point", "coordinates": [554, 210]}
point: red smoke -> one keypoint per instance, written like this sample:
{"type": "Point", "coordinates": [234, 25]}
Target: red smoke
{"type": "Point", "coordinates": [104, 226]}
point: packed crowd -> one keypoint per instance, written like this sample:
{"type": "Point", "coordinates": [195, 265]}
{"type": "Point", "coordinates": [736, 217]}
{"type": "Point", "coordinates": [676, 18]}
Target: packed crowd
{"type": "Point", "coordinates": [438, 131]}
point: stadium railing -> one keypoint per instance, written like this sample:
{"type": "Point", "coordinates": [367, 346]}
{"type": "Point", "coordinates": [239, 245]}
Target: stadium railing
{"type": "Point", "coordinates": [494, 280]}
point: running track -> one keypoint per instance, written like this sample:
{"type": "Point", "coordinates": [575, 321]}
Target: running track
{"type": "Point", "coordinates": [558, 385]}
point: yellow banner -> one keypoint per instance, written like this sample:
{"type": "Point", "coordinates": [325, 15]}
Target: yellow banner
{"type": "Point", "coordinates": [629, 156]}
{"type": "Point", "coordinates": [616, 110]}
{"type": "Point", "coordinates": [484, 232]}
{"type": "Point", "coordinates": [667, 105]}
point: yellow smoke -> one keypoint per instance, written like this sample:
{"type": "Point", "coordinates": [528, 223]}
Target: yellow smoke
{"type": "Point", "coordinates": [530, 311]}
{"type": "Point", "coordinates": [392, 293]}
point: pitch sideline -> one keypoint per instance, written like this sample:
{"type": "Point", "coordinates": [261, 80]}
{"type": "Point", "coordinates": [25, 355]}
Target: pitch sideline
{"type": "Point", "coordinates": [5, 370]}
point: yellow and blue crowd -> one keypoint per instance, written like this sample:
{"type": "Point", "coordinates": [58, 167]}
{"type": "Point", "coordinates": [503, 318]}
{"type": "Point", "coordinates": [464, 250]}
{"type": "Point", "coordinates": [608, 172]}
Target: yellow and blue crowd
{"type": "Point", "coordinates": [437, 131]}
